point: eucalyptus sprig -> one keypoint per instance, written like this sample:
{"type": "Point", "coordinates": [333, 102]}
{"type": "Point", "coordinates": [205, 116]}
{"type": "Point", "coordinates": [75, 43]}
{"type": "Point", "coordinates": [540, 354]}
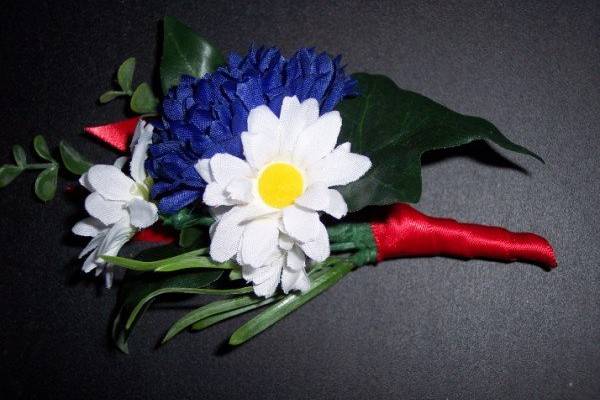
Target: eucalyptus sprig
{"type": "Point", "coordinates": [46, 181]}
{"type": "Point", "coordinates": [143, 100]}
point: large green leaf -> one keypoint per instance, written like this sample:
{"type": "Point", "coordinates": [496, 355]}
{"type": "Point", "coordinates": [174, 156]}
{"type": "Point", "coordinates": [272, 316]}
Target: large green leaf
{"type": "Point", "coordinates": [320, 282]}
{"type": "Point", "coordinates": [139, 290]}
{"type": "Point", "coordinates": [184, 52]}
{"type": "Point", "coordinates": [394, 127]}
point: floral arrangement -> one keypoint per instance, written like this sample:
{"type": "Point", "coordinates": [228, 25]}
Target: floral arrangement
{"type": "Point", "coordinates": [251, 176]}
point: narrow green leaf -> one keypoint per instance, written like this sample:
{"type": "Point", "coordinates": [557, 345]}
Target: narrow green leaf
{"type": "Point", "coordinates": [143, 100]}
{"type": "Point", "coordinates": [8, 173]}
{"type": "Point", "coordinates": [110, 95]}
{"type": "Point", "coordinates": [188, 260]}
{"type": "Point", "coordinates": [41, 148]}
{"type": "Point", "coordinates": [45, 183]}
{"type": "Point", "coordinates": [139, 290]}
{"type": "Point", "coordinates": [213, 319]}
{"type": "Point", "coordinates": [394, 127]}
{"type": "Point", "coordinates": [19, 155]}
{"type": "Point", "coordinates": [125, 74]}
{"type": "Point", "coordinates": [329, 277]}
{"type": "Point", "coordinates": [73, 160]}
{"type": "Point", "coordinates": [185, 53]}
{"type": "Point", "coordinates": [216, 307]}
{"type": "Point", "coordinates": [235, 274]}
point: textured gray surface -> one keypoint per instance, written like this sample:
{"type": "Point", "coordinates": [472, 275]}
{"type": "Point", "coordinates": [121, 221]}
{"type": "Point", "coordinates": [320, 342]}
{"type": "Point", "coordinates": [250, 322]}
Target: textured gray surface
{"type": "Point", "coordinates": [426, 328]}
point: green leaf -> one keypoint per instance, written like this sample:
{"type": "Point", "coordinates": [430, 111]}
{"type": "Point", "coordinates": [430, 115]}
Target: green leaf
{"type": "Point", "coordinates": [45, 183]}
{"type": "Point", "coordinates": [125, 74]}
{"type": "Point", "coordinates": [185, 53]}
{"type": "Point", "coordinates": [320, 282]}
{"type": "Point", "coordinates": [192, 237]}
{"type": "Point", "coordinates": [187, 260]}
{"type": "Point", "coordinates": [394, 127]}
{"type": "Point", "coordinates": [139, 290]}
{"type": "Point", "coordinates": [213, 319]}
{"type": "Point", "coordinates": [73, 160]}
{"type": "Point", "coordinates": [110, 95]}
{"type": "Point", "coordinates": [235, 274]}
{"type": "Point", "coordinates": [19, 155]}
{"type": "Point", "coordinates": [209, 310]}
{"type": "Point", "coordinates": [8, 173]}
{"type": "Point", "coordinates": [143, 100]}
{"type": "Point", "coordinates": [41, 148]}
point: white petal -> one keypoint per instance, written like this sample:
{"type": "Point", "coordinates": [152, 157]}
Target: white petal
{"type": "Point", "coordinates": [259, 241]}
{"type": "Point", "coordinates": [317, 249]}
{"type": "Point", "coordinates": [141, 140]}
{"type": "Point", "coordinates": [142, 213]}
{"type": "Point", "coordinates": [315, 197]}
{"type": "Point", "coordinates": [226, 168]}
{"type": "Point", "coordinates": [294, 280]}
{"type": "Point", "coordinates": [339, 168]}
{"type": "Point", "coordinates": [83, 181]}
{"type": "Point", "coordinates": [296, 259]}
{"type": "Point", "coordinates": [116, 237]}
{"type": "Point", "coordinates": [270, 278]}
{"type": "Point", "coordinates": [107, 211]}
{"type": "Point", "coordinates": [94, 243]}
{"type": "Point", "coordinates": [110, 182]}
{"type": "Point", "coordinates": [228, 233]}
{"type": "Point", "coordinates": [301, 224]}
{"type": "Point", "coordinates": [90, 262]}
{"type": "Point", "coordinates": [285, 242]}
{"type": "Point", "coordinates": [120, 162]}
{"type": "Point", "coordinates": [344, 147]}
{"type": "Point", "coordinates": [261, 119]}
{"type": "Point", "coordinates": [240, 191]}
{"type": "Point", "coordinates": [203, 168]}
{"type": "Point", "coordinates": [318, 140]}
{"type": "Point", "coordinates": [337, 207]}
{"type": "Point", "coordinates": [260, 147]}
{"type": "Point", "coordinates": [294, 117]}
{"type": "Point", "coordinates": [214, 195]}
{"type": "Point", "coordinates": [88, 227]}
{"type": "Point", "coordinates": [108, 276]}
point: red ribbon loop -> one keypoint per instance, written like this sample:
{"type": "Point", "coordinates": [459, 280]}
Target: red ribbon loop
{"type": "Point", "coordinates": [117, 135]}
{"type": "Point", "coordinates": [408, 233]}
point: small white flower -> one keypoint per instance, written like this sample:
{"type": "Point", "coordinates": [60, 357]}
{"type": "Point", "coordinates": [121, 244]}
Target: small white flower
{"type": "Point", "coordinates": [118, 205]}
{"type": "Point", "coordinates": [268, 206]}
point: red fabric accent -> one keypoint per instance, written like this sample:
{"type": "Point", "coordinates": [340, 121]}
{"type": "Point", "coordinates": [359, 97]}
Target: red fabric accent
{"type": "Point", "coordinates": [155, 234]}
{"type": "Point", "coordinates": [117, 134]}
{"type": "Point", "coordinates": [408, 233]}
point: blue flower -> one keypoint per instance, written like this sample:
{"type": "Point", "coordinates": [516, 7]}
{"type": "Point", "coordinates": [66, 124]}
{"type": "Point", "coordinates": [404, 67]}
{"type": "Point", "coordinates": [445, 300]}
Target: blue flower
{"type": "Point", "coordinates": [203, 117]}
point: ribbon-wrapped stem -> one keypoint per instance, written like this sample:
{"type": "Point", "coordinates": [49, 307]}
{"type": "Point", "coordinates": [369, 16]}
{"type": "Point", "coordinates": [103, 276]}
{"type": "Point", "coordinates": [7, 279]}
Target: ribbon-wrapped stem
{"type": "Point", "coordinates": [406, 232]}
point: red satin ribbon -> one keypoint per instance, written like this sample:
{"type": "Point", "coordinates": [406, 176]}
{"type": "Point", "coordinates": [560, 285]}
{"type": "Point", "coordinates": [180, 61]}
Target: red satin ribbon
{"type": "Point", "coordinates": [408, 233]}
{"type": "Point", "coordinates": [117, 134]}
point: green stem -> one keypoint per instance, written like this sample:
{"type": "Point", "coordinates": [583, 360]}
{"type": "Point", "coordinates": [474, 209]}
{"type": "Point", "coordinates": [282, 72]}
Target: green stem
{"type": "Point", "coordinates": [340, 247]}
{"type": "Point", "coordinates": [39, 166]}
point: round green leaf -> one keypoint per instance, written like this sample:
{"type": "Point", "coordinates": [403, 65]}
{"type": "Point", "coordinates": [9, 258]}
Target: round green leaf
{"type": "Point", "coordinates": [125, 74]}
{"type": "Point", "coordinates": [184, 52]}
{"type": "Point", "coordinates": [41, 148]}
{"type": "Point", "coordinates": [45, 183]}
{"type": "Point", "coordinates": [8, 173]}
{"type": "Point", "coordinates": [110, 96]}
{"type": "Point", "coordinates": [74, 162]}
{"type": "Point", "coordinates": [19, 155]}
{"type": "Point", "coordinates": [143, 100]}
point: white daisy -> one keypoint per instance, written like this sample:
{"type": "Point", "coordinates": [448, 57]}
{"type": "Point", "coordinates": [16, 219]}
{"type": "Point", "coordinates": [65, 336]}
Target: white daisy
{"type": "Point", "coordinates": [118, 205]}
{"type": "Point", "coordinates": [267, 207]}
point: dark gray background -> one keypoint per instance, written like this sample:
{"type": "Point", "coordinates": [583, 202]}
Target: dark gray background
{"type": "Point", "coordinates": [418, 328]}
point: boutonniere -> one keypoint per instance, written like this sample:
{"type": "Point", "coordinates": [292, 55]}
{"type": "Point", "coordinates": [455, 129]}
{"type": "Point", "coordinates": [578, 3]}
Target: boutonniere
{"type": "Point", "coordinates": [250, 175]}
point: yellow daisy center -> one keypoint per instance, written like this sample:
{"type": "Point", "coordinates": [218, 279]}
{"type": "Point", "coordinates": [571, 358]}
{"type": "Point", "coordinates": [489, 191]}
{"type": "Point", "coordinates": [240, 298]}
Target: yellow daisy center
{"type": "Point", "coordinates": [280, 184]}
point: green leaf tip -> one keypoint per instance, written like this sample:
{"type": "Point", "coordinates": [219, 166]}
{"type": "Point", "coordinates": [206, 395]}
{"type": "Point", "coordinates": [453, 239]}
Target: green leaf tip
{"type": "Point", "coordinates": [9, 173]}
{"type": "Point", "coordinates": [125, 75]}
{"type": "Point", "coordinates": [185, 53]}
{"type": "Point", "coordinates": [45, 183]}
{"type": "Point", "coordinates": [41, 148]}
{"type": "Point", "coordinates": [19, 155]}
